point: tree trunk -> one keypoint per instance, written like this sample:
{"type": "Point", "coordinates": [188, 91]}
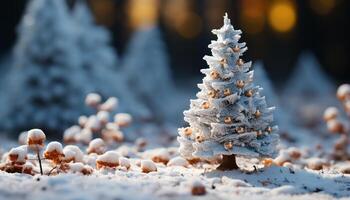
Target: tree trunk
{"type": "Point", "coordinates": [228, 163]}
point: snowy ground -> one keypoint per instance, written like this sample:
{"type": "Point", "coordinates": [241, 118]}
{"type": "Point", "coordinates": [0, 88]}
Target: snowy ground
{"type": "Point", "coordinates": [175, 183]}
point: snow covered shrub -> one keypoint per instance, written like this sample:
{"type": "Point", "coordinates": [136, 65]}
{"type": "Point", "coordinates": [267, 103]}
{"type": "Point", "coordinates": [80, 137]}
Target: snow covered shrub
{"type": "Point", "coordinates": [337, 125]}
{"type": "Point", "coordinates": [148, 166]}
{"type": "Point", "coordinates": [54, 152]}
{"type": "Point", "coordinates": [100, 123]}
{"type": "Point", "coordinates": [16, 160]}
{"type": "Point", "coordinates": [110, 160]}
{"type": "Point", "coordinates": [230, 117]}
{"type": "Point", "coordinates": [73, 154]}
{"type": "Point", "coordinates": [97, 146]}
{"type": "Point", "coordinates": [124, 162]}
{"type": "Point", "coordinates": [290, 155]}
{"type": "Point", "coordinates": [178, 161]}
{"type": "Point", "coordinates": [35, 141]}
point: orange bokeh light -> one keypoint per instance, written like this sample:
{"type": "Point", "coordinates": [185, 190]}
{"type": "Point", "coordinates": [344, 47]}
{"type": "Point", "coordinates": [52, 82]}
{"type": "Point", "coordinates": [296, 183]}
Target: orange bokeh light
{"type": "Point", "coordinates": [282, 16]}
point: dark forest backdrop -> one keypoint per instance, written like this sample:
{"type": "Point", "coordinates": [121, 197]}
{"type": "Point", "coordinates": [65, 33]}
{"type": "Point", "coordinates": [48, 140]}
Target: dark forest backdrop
{"type": "Point", "coordinates": [276, 30]}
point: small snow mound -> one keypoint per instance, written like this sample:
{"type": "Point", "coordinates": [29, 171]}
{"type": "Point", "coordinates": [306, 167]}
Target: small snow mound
{"type": "Point", "coordinates": [85, 136]}
{"type": "Point", "coordinates": [36, 135]}
{"type": "Point", "coordinates": [234, 182]}
{"type": "Point", "coordinates": [82, 120]}
{"type": "Point", "coordinates": [97, 146]}
{"type": "Point", "coordinates": [123, 119]}
{"type": "Point", "coordinates": [178, 161]}
{"type": "Point", "coordinates": [158, 155]}
{"type": "Point", "coordinates": [343, 91]}
{"type": "Point", "coordinates": [110, 104]}
{"type": "Point", "coordinates": [93, 123]}
{"type": "Point", "coordinates": [109, 157]}
{"type": "Point", "coordinates": [73, 153]}
{"type": "Point", "coordinates": [54, 146]}
{"type": "Point", "coordinates": [18, 154]}
{"type": "Point", "coordinates": [70, 133]}
{"type": "Point", "coordinates": [22, 138]}
{"type": "Point", "coordinates": [103, 116]}
{"type": "Point", "coordinates": [76, 167]}
{"type": "Point", "coordinates": [124, 162]}
{"type": "Point", "coordinates": [330, 113]}
{"type": "Point", "coordinates": [286, 189]}
{"type": "Point", "coordinates": [93, 99]}
{"type": "Point", "coordinates": [316, 163]}
{"type": "Point", "coordinates": [148, 166]}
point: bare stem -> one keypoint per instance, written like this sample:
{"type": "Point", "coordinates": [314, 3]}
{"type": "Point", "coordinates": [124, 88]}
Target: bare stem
{"type": "Point", "coordinates": [51, 170]}
{"type": "Point", "coordinates": [39, 159]}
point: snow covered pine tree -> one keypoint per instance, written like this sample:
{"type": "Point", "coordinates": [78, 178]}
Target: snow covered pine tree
{"type": "Point", "coordinates": [47, 87]}
{"type": "Point", "coordinates": [229, 117]}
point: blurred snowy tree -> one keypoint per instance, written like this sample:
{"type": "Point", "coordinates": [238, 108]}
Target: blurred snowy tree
{"type": "Point", "coordinates": [46, 87]}
{"type": "Point", "coordinates": [308, 92]}
{"type": "Point", "coordinates": [99, 59]}
{"type": "Point", "coordinates": [147, 71]}
{"type": "Point", "coordinates": [288, 130]}
{"type": "Point", "coordinates": [230, 117]}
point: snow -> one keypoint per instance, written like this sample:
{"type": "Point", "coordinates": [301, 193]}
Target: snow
{"type": "Point", "coordinates": [124, 162]}
{"type": "Point", "coordinates": [330, 113]}
{"type": "Point", "coordinates": [109, 157]}
{"type": "Point", "coordinates": [110, 104]}
{"type": "Point", "coordinates": [20, 153]}
{"type": "Point", "coordinates": [178, 161]}
{"type": "Point", "coordinates": [93, 99]}
{"type": "Point", "coordinates": [72, 152]}
{"type": "Point", "coordinates": [36, 135]}
{"type": "Point", "coordinates": [82, 120]}
{"type": "Point", "coordinates": [272, 183]}
{"type": "Point", "coordinates": [85, 136]}
{"type": "Point", "coordinates": [54, 146]}
{"type": "Point", "coordinates": [93, 123]}
{"type": "Point", "coordinates": [76, 167]}
{"type": "Point", "coordinates": [343, 91]}
{"type": "Point", "coordinates": [22, 138]}
{"type": "Point", "coordinates": [97, 146]}
{"type": "Point", "coordinates": [70, 134]}
{"type": "Point", "coordinates": [148, 166]}
{"type": "Point", "coordinates": [123, 119]}
{"type": "Point", "coordinates": [103, 116]}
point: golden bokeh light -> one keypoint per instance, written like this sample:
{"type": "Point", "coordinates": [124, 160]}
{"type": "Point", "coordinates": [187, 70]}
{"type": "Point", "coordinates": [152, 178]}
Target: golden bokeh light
{"type": "Point", "coordinates": [322, 7]}
{"type": "Point", "coordinates": [142, 12]}
{"type": "Point", "coordinates": [282, 16]}
{"type": "Point", "coordinates": [178, 15]}
{"type": "Point", "coordinates": [253, 15]}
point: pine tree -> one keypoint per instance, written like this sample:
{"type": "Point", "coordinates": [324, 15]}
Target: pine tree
{"type": "Point", "coordinates": [230, 118]}
{"type": "Point", "coordinates": [308, 92]}
{"type": "Point", "coordinates": [147, 71]}
{"type": "Point", "coordinates": [47, 87]}
{"type": "Point", "coordinates": [99, 59]}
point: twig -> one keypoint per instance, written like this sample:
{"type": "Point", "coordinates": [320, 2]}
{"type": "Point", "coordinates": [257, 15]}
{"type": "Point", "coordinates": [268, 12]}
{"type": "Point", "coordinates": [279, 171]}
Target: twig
{"type": "Point", "coordinates": [39, 159]}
